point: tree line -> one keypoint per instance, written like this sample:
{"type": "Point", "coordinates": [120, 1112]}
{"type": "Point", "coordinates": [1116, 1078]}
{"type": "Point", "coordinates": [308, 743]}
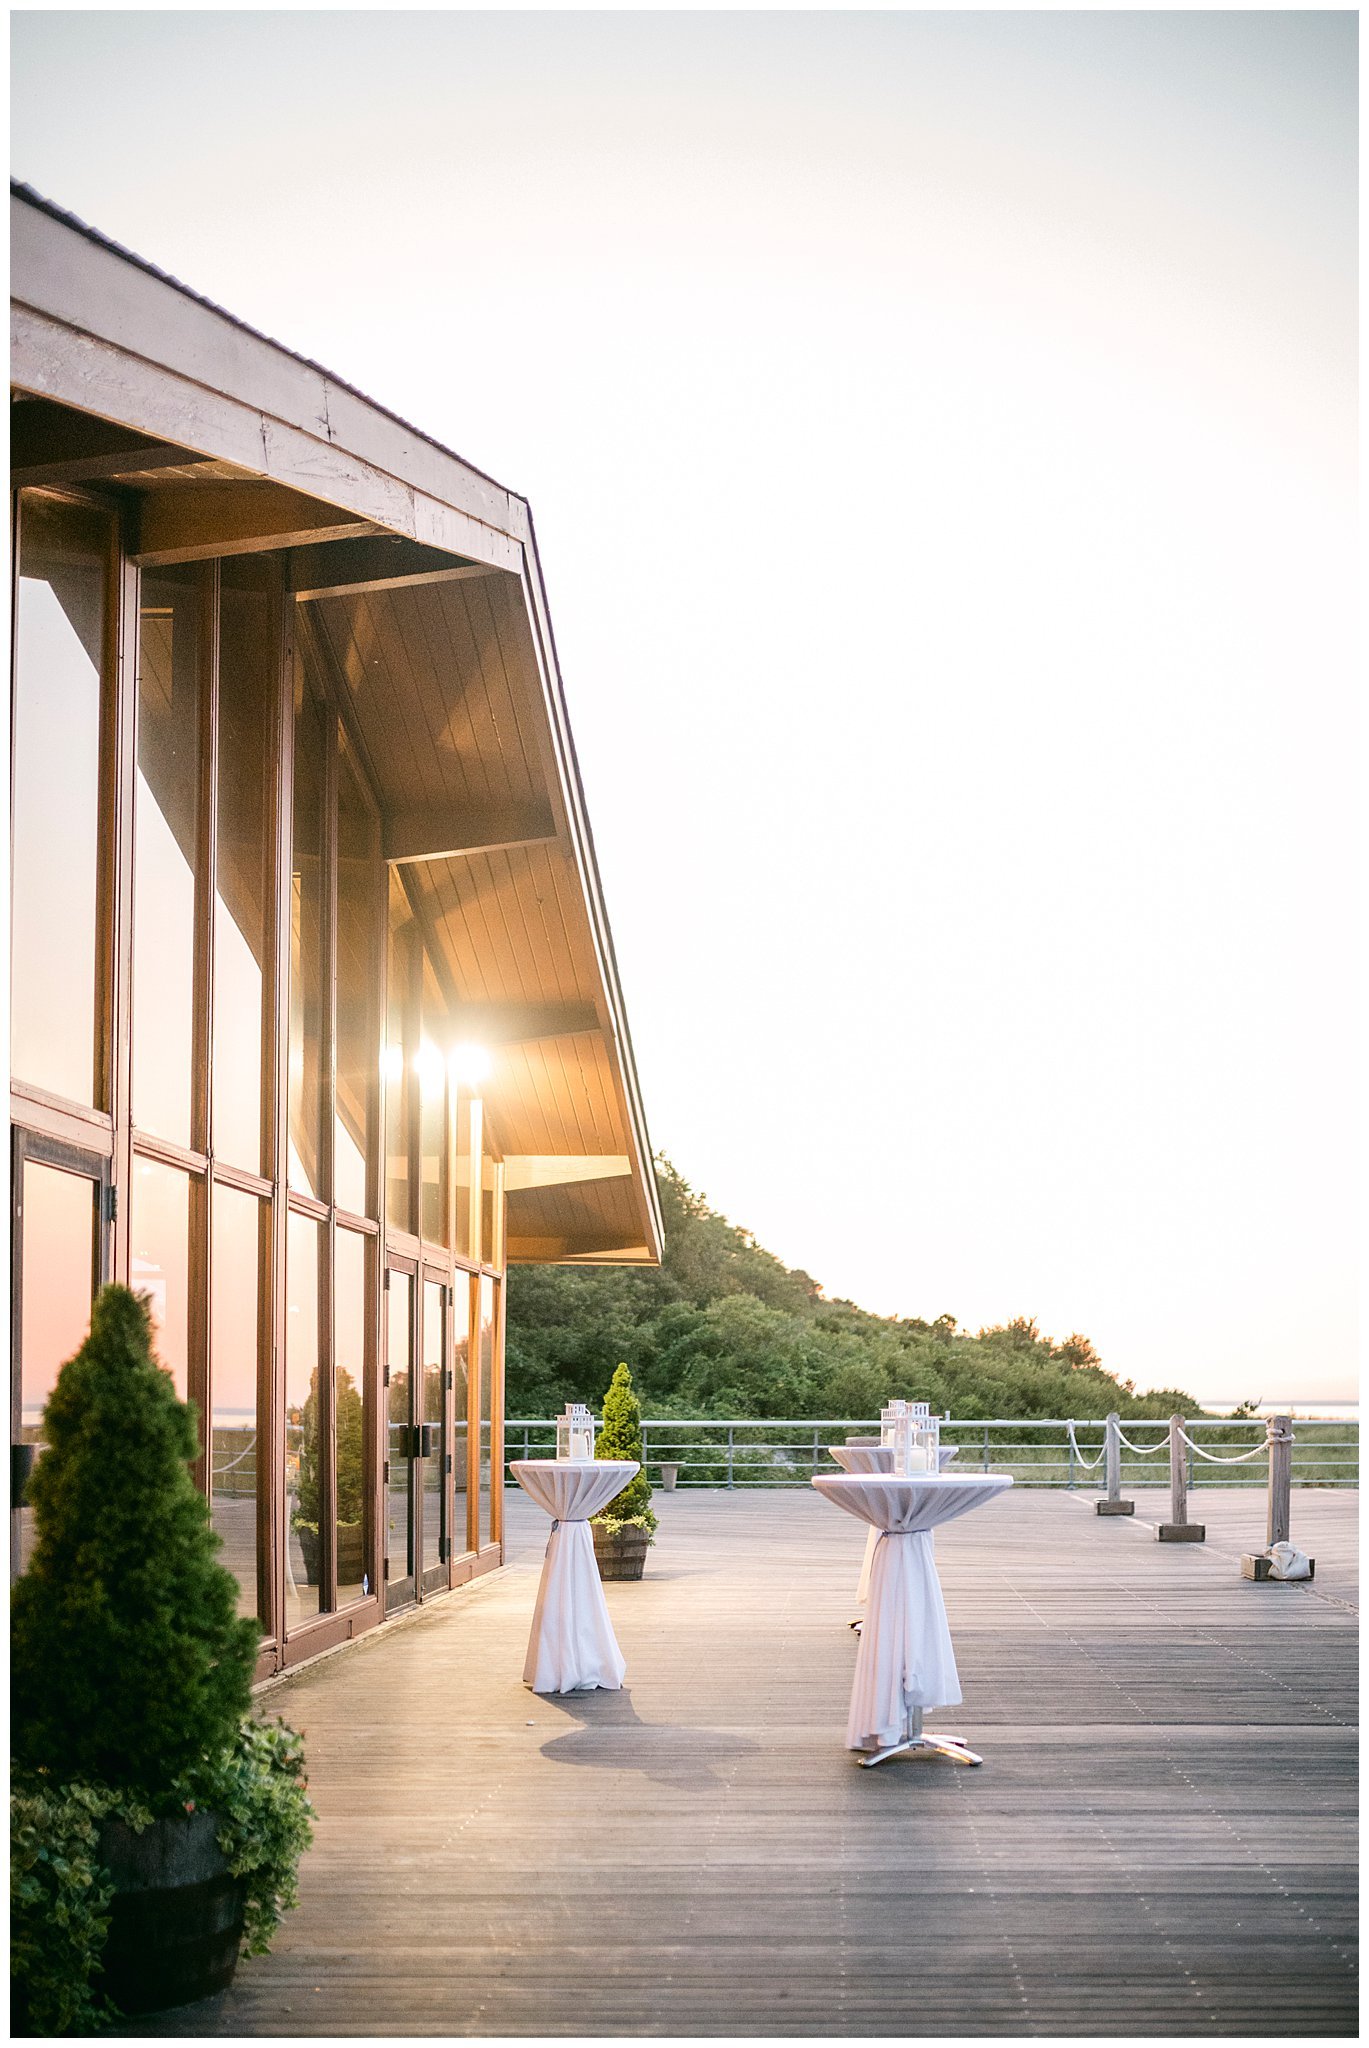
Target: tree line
{"type": "Point", "coordinates": [722, 1327]}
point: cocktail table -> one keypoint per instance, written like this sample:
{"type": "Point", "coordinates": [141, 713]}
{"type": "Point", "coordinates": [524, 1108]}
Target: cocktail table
{"type": "Point", "coordinates": [854, 1456]}
{"type": "Point", "coordinates": [905, 1664]}
{"type": "Point", "coordinates": [572, 1647]}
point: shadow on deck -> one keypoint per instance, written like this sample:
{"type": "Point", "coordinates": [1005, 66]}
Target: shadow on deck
{"type": "Point", "coordinates": [1162, 1840]}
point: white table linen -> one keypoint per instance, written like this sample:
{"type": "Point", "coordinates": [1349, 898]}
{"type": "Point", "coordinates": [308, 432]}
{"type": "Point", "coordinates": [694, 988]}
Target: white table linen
{"type": "Point", "coordinates": [572, 1647]}
{"type": "Point", "coordinates": [905, 1659]}
{"type": "Point", "coordinates": [874, 1457]}
{"type": "Point", "coordinates": [863, 1457]}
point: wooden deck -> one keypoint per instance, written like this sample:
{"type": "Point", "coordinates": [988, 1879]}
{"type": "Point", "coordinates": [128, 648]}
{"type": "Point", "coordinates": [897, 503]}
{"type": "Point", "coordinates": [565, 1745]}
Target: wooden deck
{"type": "Point", "coordinates": [1162, 1840]}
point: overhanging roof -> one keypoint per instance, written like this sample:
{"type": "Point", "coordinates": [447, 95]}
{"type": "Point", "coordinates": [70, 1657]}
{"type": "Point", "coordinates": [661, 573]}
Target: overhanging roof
{"type": "Point", "coordinates": [418, 587]}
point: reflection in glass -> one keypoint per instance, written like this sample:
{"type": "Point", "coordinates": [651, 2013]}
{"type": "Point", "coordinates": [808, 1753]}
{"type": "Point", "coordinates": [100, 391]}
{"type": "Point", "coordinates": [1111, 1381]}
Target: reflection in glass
{"type": "Point", "coordinates": [469, 1125]}
{"type": "Point", "coordinates": [306, 947]}
{"type": "Point", "coordinates": [491, 1234]}
{"type": "Point", "coordinates": [486, 1339]}
{"type": "Point", "coordinates": [358, 1049]}
{"type": "Point", "coordinates": [351, 1321]}
{"type": "Point", "coordinates": [246, 820]}
{"type": "Point", "coordinates": [434, 1416]}
{"type": "Point", "coordinates": [159, 1226]}
{"type": "Point", "coordinates": [432, 1115]}
{"type": "Point", "coordinates": [464, 1536]}
{"type": "Point", "coordinates": [56, 952]}
{"type": "Point", "coordinates": [303, 1477]}
{"type": "Point", "coordinates": [401, 1047]}
{"type": "Point", "coordinates": [59, 1221]}
{"type": "Point", "coordinates": [399, 1338]}
{"type": "Point", "coordinates": [235, 1350]}
{"type": "Point", "coordinates": [166, 851]}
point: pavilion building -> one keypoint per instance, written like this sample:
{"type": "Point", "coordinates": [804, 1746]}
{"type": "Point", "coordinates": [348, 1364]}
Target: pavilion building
{"type": "Point", "coordinates": [315, 1020]}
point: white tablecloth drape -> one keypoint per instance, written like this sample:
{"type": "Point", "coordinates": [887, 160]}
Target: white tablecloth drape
{"type": "Point", "coordinates": [854, 1457]}
{"type": "Point", "coordinates": [863, 1457]}
{"type": "Point", "coordinates": [874, 1457]}
{"type": "Point", "coordinates": [572, 1647]}
{"type": "Point", "coordinates": [879, 1457]}
{"type": "Point", "coordinates": [905, 1658]}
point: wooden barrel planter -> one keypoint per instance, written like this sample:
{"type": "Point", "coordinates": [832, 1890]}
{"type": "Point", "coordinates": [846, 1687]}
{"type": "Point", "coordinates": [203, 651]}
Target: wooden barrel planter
{"type": "Point", "coordinates": [620, 1553]}
{"type": "Point", "coordinates": [351, 1553]}
{"type": "Point", "coordinates": [176, 1919]}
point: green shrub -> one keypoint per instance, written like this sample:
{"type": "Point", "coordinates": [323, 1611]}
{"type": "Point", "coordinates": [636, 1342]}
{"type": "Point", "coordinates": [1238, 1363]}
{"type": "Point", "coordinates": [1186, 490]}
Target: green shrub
{"type": "Point", "coordinates": [129, 1664]}
{"type": "Point", "coordinates": [59, 1907]}
{"type": "Point", "coordinates": [257, 1792]}
{"type": "Point", "coordinates": [131, 1676]}
{"type": "Point", "coordinates": [621, 1437]}
{"type": "Point", "coordinates": [60, 1892]}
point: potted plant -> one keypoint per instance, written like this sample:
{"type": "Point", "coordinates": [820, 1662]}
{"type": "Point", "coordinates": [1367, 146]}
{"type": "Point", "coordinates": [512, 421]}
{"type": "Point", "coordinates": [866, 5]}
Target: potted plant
{"type": "Point", "coordinates": [154, 1823]}
{"type": "Point", "coordinates": [624, 1529]}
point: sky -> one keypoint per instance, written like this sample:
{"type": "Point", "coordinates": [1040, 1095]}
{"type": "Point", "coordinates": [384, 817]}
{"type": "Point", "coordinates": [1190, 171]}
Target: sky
{"type": "Point", "coordinates": [940, 432]}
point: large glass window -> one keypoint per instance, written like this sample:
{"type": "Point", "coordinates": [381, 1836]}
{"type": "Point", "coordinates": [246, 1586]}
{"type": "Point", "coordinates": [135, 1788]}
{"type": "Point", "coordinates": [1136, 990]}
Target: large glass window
{"type": "Point", "coordinates": [358, 967]}
{"type": "Point", "coordinates": [248, 674]}
{"type": "Point", "coordinates": [303, 1469]}
{"type": "Point", "coordinates": [352, 1264]}
{"type": "Point", "coordinates": [491, 1212]}
{"type": "Point", "coordinates": [469, 1142]}
{"type": "Point", "coordinates": [160, 1263]}
{"type": "Point", "coordinates": [307, 1045]}
{"type": "Point", "coordinates": [235, 1354]}
{"type": "Point", "coordinates": [461, 1433]}
{"type": "Point", "coordinates": [401, 1051]}
{"type": "Point", "coordinates": [399, 1433]}
{"type": "Point", "coordinates": [57, 1273]}
{"type": "Point", "coordinates": [58, 949]}
{"type": "Point", "coordinates": [486, 1438]}
{"type": "Point", "coordinates": [166, 851]}
{"type": "Point", "coordinates": [435, 1532]}
{"type": "Point", "coordinates": [432, 1118]}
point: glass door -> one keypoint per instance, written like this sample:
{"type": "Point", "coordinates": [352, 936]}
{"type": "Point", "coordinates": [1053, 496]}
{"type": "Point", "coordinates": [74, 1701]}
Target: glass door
{"type": "Point", "coordinates": [60, 1256]}
{"type": "Point", "coordinates": [401, 1464]}
{"type": "Point", "coordinates": [434, 1545]}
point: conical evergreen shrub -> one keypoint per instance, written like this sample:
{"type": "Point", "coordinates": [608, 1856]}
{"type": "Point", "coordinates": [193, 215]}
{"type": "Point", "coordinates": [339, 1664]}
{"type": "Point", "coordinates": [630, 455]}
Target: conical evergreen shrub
{"type": "Point", "coordinates": [129, 1662]}
{"type": "Point", "coordinates": [620, 1436]}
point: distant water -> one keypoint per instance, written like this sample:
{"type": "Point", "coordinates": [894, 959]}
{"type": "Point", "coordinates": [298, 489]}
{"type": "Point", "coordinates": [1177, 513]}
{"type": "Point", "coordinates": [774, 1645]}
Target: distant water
{"type": "Point", "coordinates": [1306, 1405]}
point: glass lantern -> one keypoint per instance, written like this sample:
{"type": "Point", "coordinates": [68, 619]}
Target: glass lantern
{"type": "Point", "coordinates": [574, 1434]}
{"type": "Point", "coordinates": [926, 1439]}
{"type": "Point", "coordinates": [890, 1417]}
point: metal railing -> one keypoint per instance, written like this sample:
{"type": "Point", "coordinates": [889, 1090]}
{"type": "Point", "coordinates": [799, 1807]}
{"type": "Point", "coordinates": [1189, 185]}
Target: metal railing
{"type": "Point", "coordinates": [1059, 1451]}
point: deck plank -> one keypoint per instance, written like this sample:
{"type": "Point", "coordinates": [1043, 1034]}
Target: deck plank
{"type": "Point", "coordinates": [1162, 1841]}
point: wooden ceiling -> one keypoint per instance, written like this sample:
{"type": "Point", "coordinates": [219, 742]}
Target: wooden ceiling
{"type": "Point", "coordinates": [441, 687]}
{"type": "Point", "coordinates": [442, 665]}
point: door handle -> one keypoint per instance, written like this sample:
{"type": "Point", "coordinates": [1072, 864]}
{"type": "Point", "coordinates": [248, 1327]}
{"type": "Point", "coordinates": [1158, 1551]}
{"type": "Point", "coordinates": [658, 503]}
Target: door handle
{"type": "Point", "coordinates": [23, 1458]}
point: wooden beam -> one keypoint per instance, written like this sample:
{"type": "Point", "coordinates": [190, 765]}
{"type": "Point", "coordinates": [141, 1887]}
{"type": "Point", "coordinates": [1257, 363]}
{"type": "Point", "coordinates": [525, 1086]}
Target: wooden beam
{"type": "Point", "coordinates": [551, 1170]}
{"type": "Point", "coordinates": [92, 330]}
{"type": "Point", "coordinates": [197, 522]}
{"type": "Point", "coordinates": [449, 832]}
{"type": "Point", "coordinates": [385, 562]}
{"type": "Point", "coordinates": [608, 1245]}
{"type": "Point", "coordinates": [51, 444]}
{"type": "Point", "coordinates": [521, 1023]}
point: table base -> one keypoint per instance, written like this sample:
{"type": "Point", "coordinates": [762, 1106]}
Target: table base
{"type": "Point", "coordinates": [914, 1740]}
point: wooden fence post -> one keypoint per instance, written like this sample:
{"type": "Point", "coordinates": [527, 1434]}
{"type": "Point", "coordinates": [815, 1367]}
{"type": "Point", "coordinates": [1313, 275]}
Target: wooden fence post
{"type": "Point", "coordinates": [1280, 1440]}
{"type": "Point", "coordinates": [1178, 1529]}
{"type": "Point", "coordinates": [1113, 1504]}
{"type": "Point", "coordinates": [1280, 1479]}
